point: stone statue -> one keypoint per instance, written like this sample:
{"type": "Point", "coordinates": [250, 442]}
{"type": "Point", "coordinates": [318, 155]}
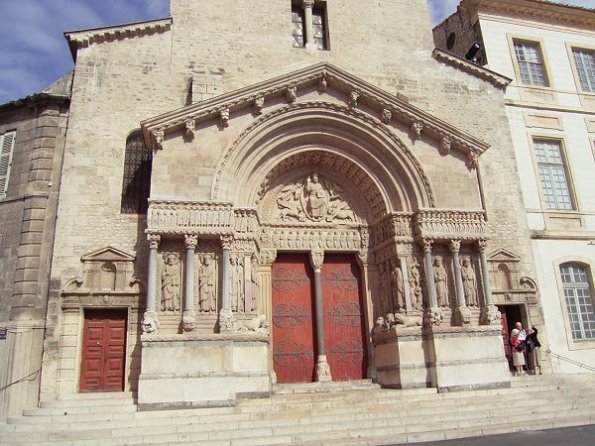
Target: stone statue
{"type": "Point", "coordinates": [383, 289]}
{"type": "Point", "coordinates": [170, 283]}
{"type": "Point", "coordinates": [257, 324]}
{"type": "Point", "coordinates": [237, 284]}
{"type": "Point", "coordinates": [396, 277]}
{"type": "Point", "coordinates": [254, 282]}
{"type": "Point", "coordinates": [380, 326]}
{"type": "Point", "coordinates": [316, 198]}
{"type": "Point", "coordinates": [440, 282]}
{"type": "Point", "coordinates": [406, 321]}
{"type": "Point", "coordinates": [289, 203]}
{"type": "Point", "coordinates": [469, 282]}
{"type": "Point", "coordinates": [415, 285]}
{"type": "Point", "coordinates": [207, 281]}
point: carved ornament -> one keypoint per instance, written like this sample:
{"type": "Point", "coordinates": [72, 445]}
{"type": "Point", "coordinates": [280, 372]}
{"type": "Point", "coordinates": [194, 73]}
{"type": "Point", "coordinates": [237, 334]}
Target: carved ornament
{"type": "Point", "coordinates": [317, 259]}
{"type": "Point", "coordinates": [258, 105]}
{"type": "Point", "coordinates": [190, 127]}
{"type": "Point", "coordinates": [190, 241]}
{"type": "Point", "coordinates": [450, 224]}
{"type": "Point", "coordinates": [224, 118]}
{"type": "Point", "coordinates": [185, 217]}
{"type": "Point", "coordinates": [386, 116]}
{"type": "Point", "coordinates": [283, 238]}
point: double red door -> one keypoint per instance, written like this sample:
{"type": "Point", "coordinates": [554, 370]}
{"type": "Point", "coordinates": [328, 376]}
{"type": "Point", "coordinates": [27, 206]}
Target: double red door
{"type": "Point", "coordinates": [294, 318]}
{"type": "Point", "coordinates": [104, 351]}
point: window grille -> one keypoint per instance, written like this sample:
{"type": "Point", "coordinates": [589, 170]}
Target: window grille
{"type": "Point", "coordinates": [552, 175]}
{"type": "Point", "coordinates": [136, 185]}
{"type": "Point", "coordinates": [579, 300]}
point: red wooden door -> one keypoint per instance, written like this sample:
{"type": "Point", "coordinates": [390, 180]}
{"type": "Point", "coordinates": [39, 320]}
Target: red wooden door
{"type": "Point", "coordinates": [343, 317]}
{"type": "Point", "coordinates": [293, 320]}
{"type": "Point", "coordinates": [104, 351]}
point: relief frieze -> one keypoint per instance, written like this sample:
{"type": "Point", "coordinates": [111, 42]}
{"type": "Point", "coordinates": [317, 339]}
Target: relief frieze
{"type": "Point", "coordinates": [450, 224]}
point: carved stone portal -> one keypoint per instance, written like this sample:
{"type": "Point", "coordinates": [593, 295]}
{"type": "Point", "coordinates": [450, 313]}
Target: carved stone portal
{"type": "Point", "coordinates": [314, 200]}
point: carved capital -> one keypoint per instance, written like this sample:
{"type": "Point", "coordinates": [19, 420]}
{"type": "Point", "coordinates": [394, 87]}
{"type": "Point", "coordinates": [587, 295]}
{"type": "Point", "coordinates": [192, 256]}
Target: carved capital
{"type": "Point", "coordinates": [472, 160]}
{"type": "Point", "coordinates": [190, 241]}
{"type": "Point", "coordinates": [445, 145]}
{"type": "Point", "coordinates": [226, 242]}
{"type": "Point", "coordinates": [426, 244]}
{"type": "Point", "coordinates": [386, 115]}
{"type": "Point", "coordinates": [190, 125]}
{"type": "Point", "coordinates": [455, 246]}
{"type": "Point", "coordinates": [291, 94]}
{"type": "Point", "coordinates": [416, 129]}
{"type": "Point", "coordinates": [267, 256]}
{"type": "Point", "coordinates": [154, 240]}
{"type": "Point", "coordinates": [353, 98]}
{"type": "Point", "coordinates": [224, 117]}
{"type": "Point", "coordinates": [463, 316]}
{"type": "Point", "coordinates": [317, 259]}
{"type": "Point", "coordinates": [158, 135]}
{"type": "Point", "coordinates": [433, 316]}
{"type": "Point", "coordinates": [482, 245]}
{"type": "Point", "coordinates": [258, 105]}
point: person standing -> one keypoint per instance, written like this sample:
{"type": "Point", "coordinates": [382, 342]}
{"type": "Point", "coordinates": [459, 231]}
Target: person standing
{"type": "Point", "coordinates": [534, 350]}
{"type": "Point", "coordinates": [518, 338]}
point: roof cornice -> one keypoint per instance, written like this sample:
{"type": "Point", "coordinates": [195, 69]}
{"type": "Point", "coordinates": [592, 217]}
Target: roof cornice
{"type": "Point", "coordinates": [497, 80]}
{"type": "Point", "coordinates": [538, 10]}
{"type": "Point", "coordinates": [84, 38]}
{"type": "Point", "coordinates": [291, 86]}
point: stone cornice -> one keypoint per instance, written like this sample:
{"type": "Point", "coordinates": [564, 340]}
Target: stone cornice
{"type": "Point", "coordinates": [539, 10]}
{"type": "Point", "coordinates": [84, 38]}
{"type": "Point", "coordinates": [357, 93]}
{"type": "Point", "coordinates": [497, 80]}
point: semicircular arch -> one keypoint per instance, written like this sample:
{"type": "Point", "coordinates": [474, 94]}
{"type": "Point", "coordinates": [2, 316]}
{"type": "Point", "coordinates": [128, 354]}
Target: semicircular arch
{"type": "Point", "coordinates": [341, 138]}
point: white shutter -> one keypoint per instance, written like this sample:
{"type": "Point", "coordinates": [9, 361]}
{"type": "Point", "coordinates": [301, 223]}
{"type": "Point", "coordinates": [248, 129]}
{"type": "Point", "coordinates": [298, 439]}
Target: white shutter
{"type": "Point", "coordinates": [6, 149]}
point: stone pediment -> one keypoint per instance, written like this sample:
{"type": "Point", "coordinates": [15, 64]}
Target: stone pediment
{"type": "Point", "coordinates": [502, 255]}
{"type": "Point", "coordinates": [328, 80]}
{"type": "Point", "coordinates": [108, 254]}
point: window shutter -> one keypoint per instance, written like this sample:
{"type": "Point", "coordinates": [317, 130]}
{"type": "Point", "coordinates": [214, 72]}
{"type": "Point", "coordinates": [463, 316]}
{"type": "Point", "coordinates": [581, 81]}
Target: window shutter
{"type": "Point", "coordinates": [6, 149]}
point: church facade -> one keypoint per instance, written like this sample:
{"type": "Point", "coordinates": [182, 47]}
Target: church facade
{"type": "Point", "coordinates": [280, 192]}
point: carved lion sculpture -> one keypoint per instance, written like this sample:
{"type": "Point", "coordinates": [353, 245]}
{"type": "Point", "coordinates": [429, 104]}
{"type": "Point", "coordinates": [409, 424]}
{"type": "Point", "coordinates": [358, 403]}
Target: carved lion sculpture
{"type": "Point", "coordinates": [257, 324]}
{"type": "Point", "coordinates": [150, 324]}
{"type": "Point", "coordinates": [401, 319]}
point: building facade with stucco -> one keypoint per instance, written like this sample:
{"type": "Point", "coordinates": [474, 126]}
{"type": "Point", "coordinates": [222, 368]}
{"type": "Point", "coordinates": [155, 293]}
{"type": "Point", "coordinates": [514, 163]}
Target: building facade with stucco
{"type": "Point", "coordinates": [548, 50]}
{"type": "Point", "coordinates": [252, 193]}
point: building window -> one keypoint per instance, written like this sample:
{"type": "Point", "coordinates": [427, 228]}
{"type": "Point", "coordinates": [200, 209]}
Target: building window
{"type": "Point", "coordinates": [553, 175]}
{"type": "Point", "coordinates": [7, 143]}
{"type": "Point", "coordinates": [319, 24]}
{"type": "Point", "coordinates": [578, 295]}
{"type": "Point", "coordinates": [136, 186]}
{"type": "Point", "coordinates": [531, 66]}
{"type": "Point", "coordinates": [585, 67]}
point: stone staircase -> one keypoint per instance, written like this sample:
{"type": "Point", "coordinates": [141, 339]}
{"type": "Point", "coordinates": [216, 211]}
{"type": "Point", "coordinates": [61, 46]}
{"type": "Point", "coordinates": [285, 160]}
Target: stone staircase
{"type": "Point", "coordinates": [354, 413]}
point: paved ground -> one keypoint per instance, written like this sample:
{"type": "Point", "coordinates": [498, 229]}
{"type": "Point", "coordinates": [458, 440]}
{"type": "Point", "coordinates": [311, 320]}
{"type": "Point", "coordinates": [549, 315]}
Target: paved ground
{"type": "Point", "coordinates": [570, 436]}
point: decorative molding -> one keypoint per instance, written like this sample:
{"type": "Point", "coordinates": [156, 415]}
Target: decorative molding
{"type": "Point", "coordinates": [450, 224]}
{"type": "Point", "coordinates": [318, 75]}
{"type": "Point", "coordinates": [284, 238]}
{"type": "Point", "coordinates": [493, 78]}
{"type": "Point", "coordinates": [79, 39]}
{"type": "Point", "coordinates": [186, 217]}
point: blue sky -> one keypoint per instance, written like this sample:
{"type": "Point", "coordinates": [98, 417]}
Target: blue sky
{"type": "Point", "coordinates": [35, 53]}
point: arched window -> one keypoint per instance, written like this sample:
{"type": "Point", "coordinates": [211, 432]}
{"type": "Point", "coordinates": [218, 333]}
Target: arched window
{"type": "Point", "coordinates": [578, 295]}
{"type": "Point", "coordinates": [136, 185]}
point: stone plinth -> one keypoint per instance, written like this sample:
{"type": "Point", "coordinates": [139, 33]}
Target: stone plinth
{"type": "Point", "coordinates": [199, 371]}
{"type": "Point", "coordinates": [448, 358]}
{"type": "Point", "coordinates": [468, 358]}
{"type": "Point", "coordinates": [404, 359]}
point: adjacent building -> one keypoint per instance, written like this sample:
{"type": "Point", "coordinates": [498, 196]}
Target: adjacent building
{"type": "Point", "coordinates": [548, 50]}
{"type": "Point", "coordinates": [248, 189]}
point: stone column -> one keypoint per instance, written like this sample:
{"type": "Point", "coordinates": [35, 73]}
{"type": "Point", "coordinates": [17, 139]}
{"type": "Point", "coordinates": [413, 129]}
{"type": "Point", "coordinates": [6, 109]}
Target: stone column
{"type": "Point", "coordinates": [406, 285]}
{"type": "Point", "coordinates": [267, 258]}
{"type": "Point", "coordinates": [490, 314]}
{"type": "Point", "coordinates": [462, 314]}
{"type": "Point", "coordinates": [323, 371]}
{"type": "Point", "coordinates": [308, 5]}
{"type": "Point", "coordinates": [226, 319]}
{"type": "Point", "coordinates": [150, 321]}
{"type": "Point", "coordinates": [433, 313]}
{"type": "Point", "coordinates": [189, 316]}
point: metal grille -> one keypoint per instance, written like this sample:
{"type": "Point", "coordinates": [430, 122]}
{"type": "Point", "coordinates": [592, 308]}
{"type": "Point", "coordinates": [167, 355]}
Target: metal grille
{"type": "Point", "coordinates": [585, 66]}
{"type": "Point", "coordinates": [136, 186]}
{"type": "Point", "coordinates": [530, 63]}
{"type": "Point", "coordinates": [579, 301]}
{"type": "Point", "coordinates": [552, 173]}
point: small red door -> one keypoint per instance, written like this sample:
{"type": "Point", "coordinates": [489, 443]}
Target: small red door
{"type": "Point", "coordinates": [343, 317]}
{"type": "Point", "coordinates": [104, 351]}
{"type": "Point", "coordinates": [293, 320]}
